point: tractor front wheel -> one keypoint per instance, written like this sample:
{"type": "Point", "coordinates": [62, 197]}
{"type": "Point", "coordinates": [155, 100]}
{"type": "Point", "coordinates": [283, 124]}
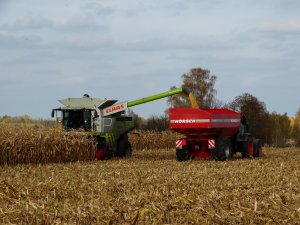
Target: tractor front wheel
{"type": "Point", "coordinates": [183, 154]}
{"type": "Point", "coordinates": [223, 150]}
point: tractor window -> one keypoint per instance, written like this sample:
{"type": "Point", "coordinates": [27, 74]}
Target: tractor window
{"type": "Point", "coordinates": [107, 124]}
{"type": "Point", "coordinates": [77, 119]}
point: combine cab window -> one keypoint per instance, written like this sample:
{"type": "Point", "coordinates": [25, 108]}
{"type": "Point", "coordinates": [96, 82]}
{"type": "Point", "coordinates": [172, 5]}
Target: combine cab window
{"type": "Point", "coordinates": [107, 124]}
{"type": "Point", "coordinates": [77, 119]}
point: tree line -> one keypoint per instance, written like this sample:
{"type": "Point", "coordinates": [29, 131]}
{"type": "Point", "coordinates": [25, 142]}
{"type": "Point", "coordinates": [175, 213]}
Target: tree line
{"type": "Point", "coordinates": [272, 128]}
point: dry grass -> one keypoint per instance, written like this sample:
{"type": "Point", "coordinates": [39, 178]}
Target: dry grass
{"type": "Point", "coordinates": [153, 188]}
{"type": "Point", "coordinates": [21, 144]}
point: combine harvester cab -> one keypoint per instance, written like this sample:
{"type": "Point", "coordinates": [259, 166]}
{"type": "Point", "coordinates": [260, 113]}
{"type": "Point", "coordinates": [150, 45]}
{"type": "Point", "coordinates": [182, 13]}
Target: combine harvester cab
{"type": "Point", "coordinates": [212, 133]}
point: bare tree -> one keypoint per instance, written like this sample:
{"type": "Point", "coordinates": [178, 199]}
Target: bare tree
{"type": "Point", "coordinates": [296, 129]}
{"type": "Point", "coordinates": [201, 83]}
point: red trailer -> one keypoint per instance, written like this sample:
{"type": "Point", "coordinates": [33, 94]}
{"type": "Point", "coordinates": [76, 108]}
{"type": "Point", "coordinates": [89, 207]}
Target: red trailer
{"type": "Point", "coordinates": [212, 133]}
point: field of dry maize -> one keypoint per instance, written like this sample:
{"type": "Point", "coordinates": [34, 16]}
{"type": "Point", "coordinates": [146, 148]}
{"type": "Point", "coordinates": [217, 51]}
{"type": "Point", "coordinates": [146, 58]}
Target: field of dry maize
{"type": "Point", "coordinates": [22, 144]}
{"type": "Point", "coordinates": [149, 188]}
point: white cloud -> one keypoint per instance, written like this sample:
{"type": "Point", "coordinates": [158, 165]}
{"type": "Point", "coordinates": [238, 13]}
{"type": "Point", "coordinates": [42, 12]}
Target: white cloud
{"type": "Point", "coordinates": [71, 80]}
{"type": "Point", "coordinates": [32, 21]}
{"type": "Point", "coordinates": [99, 8]}
{"type": "Point", "coordinates": [81, 22]}
{"type": "Point", "coordinates": [21, 41]}
{"type": "Point", "coordinates": [289, 26]}
{"type": "Point", "coordinates": [250, 81]}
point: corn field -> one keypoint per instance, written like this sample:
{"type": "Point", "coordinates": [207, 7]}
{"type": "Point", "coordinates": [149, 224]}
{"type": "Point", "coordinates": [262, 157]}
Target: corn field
{"type": "Point", "coordinates": [20, 144]}
{"type": "Point", "coordinates": [144, 140]}
{"type": "Point", "coordinates": [28, 144]}
{"type": "Point", "coordinates": [151, 187]}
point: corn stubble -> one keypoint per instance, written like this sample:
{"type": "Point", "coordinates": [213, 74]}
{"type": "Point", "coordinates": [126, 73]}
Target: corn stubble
{"type": "Point", "coordinates": [152, 188]}
{"type": "Point", "coordinates": [149, 188]}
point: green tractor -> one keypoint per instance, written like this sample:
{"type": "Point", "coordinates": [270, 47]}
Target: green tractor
{"type": "Point", "coordinates": [105, 120]}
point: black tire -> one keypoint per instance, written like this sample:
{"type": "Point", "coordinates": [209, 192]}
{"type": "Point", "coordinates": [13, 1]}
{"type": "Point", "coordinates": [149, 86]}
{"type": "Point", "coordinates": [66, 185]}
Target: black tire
{"type": "Point", "coordinates": [248, 148]}
{"type": "Point", "coordinates": [223, 150]}
{"type": "Point", "coordinates": [257, 148]}
{"type": "Point", "coordinates": [124, 149]}
{"type": "Point", "coordinates": [183, 154]}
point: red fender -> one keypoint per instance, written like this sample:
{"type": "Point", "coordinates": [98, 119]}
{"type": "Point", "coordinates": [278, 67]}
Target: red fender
{"type": "Point", "coordinates": [101, 152]}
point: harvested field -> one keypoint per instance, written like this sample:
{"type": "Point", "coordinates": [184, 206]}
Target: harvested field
{"type": "Point", "coordinates": [153, 188]}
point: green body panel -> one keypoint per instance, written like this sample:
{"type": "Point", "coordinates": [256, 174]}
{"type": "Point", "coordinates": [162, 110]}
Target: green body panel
{"type": "Point", "coordinates": [121, 126]}
{"type": "Point", "coordinates": [109, 137]}
{"type": "Point", "coordinates": [155, 97]}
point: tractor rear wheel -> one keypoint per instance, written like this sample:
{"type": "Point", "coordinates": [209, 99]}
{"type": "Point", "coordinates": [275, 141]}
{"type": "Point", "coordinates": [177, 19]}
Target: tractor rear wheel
{"type": "Point", "coordinates": [223, 150]}
{"type": "Point", "coordinates": [124, 149]}
{"type": "Point", "coordinates": [183, 154]}
{"type": "Point", "coordinates": [257, 148]}
{"type": "Point", "coordinates": [247, 148]}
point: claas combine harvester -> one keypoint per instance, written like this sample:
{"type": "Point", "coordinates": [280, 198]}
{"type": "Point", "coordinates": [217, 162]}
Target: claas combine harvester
{"type": "Point", "coordinates": [105, 120]}
{"type": "Point", "coordinates": [214, 133]}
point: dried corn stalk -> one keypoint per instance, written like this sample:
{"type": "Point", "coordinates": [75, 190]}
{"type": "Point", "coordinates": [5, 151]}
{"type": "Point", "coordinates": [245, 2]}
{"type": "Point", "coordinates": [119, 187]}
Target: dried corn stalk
{"type": "Point", "coordinates": [32, 145]}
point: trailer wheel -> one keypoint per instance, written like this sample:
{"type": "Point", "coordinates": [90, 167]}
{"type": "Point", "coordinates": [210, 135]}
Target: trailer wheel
{"type": "Point", "coordinates": [183, 154]}
{"type": "Point", "coordinates": [247, 148]}
{"type": "Point", "coordinates": [223, 150]}
{"type": "Point", "coordinates": [257, 148]}
{"type": "Point", "coordinates": [124, 149]}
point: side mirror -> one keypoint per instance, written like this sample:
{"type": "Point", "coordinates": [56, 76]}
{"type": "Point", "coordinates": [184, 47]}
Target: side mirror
{"type": "Point", "coordinates": [52, 113]}
{"type": "Point", "coordinates": [96, 115]}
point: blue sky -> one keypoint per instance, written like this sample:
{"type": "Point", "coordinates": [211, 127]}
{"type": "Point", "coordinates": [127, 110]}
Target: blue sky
{"type": "Point", "coordinates": [130, 49]}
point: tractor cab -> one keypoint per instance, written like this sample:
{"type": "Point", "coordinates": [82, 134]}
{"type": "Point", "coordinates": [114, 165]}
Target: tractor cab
{"type": "Point", "coordinates": [77, 119]}
{"type": "Point", "coordinates": [82, 113]}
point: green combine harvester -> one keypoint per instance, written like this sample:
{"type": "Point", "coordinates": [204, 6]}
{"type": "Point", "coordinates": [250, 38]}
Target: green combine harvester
{"type": "Point", "coordinates": [106, 121]}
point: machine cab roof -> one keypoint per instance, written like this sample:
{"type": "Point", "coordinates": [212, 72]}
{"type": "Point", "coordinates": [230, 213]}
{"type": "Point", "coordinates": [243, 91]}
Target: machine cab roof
{"type": "Point", "coordinates": [86, 103]}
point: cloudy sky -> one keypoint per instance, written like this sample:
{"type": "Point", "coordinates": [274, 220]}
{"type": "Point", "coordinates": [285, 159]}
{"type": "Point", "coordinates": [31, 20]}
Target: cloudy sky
{"type": "Point", "coordinates": [127, 49]}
